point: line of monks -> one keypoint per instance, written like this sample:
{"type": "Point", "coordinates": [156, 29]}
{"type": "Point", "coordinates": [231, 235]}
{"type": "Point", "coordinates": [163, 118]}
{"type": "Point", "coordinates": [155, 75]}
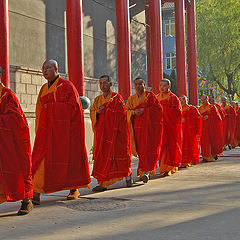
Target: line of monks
{"type": "Point", "coordinates": [163, 131]}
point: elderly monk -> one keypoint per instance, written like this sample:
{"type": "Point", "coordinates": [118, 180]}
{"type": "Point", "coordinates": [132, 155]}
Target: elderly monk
{"type": "Point", "coordinates": [171, 153]}
{"type": "Point", "coordinates": [59, 155]}
{"type": "Point", "coordinates": [15, 152]}
{"type": "Point", "coordinates": [111, 150]}
{"type": "Point", "coordinates": [145, 122]}
{"type": "Point", "coordinates": [229, 123]}
{"type": "Point", "coordinates": [212, 130]}
{"type": "Point", "coordinates": [191, 127]}
{"type": "Point", "coordinates": [237, 130]}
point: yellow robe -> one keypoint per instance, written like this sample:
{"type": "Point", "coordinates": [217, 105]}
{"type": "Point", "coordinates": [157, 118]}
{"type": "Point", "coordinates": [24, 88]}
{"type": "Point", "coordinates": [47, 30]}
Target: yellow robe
{"type": "Point", "coordinates": [164, 168]}
{"type": "Point", "coordinates": [99, 101]}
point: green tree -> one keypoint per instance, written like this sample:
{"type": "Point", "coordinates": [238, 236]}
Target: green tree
{"type": "Point", "coordinates": [218, 35]}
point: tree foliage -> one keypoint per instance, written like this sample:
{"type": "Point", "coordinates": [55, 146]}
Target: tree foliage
{"type": "Point", "coordinates": [218, 35]}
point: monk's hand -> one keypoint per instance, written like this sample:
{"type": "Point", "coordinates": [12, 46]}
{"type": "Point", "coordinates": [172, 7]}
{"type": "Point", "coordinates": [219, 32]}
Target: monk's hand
{"type": "Point", "coordinates": [205, 117]}
{"type": "Point", "coordinates": [100, 109]}
{"type": "Point", "coordinates": [139, 111]}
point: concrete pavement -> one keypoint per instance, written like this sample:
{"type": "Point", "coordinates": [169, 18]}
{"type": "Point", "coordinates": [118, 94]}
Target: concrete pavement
{"type": "Point", "coordinates": [201, 202]}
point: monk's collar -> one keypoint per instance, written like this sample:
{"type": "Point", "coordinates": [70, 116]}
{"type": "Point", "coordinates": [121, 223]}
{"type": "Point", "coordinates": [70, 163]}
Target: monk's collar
{"type": "Point", "coordinates": [53, 81]}
{"type": "Point", "coordinates": [141, 94]}
{"type": "Point", "coordinates": [106, 95]}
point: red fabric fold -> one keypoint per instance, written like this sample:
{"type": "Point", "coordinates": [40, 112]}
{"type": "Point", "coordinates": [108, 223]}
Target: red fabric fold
{"type": "Point", "coordinates": [112, 154]}
{"type": "Point", "coordinates": [191, 127]}
{"type": "Point", "coordinates": [212, 133]}
{"type": "Point", "coordinates": [172, 134]}
{"type": "Point", "coordinates": [15, 149]}
{"type": "Point", "coordinates": [229, 125]}
{"type": "Point", "coordinates": [148, 130]}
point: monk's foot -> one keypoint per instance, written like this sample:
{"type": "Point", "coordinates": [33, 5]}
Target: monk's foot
{"type": "Point", "coordinates": [166, 174]}
{"type": "Point", "coordinates": [183, 167]}
{"type": "Point", "coordinates": [216, 157]}
{"type": "Point", "coordinates": [36, 198]}
{"type": "Point", "coordinates": [26, 207]}
{"type": "Point", "coordinates": [129, 181]}
{"type": "Point", "coordinates": [99, 189]}
{"type": "Point", "coordinates": [145, 177]}
{"type": "Point", "coordinates": [229, 146]}
{"type": "Point", "coordinates": [73, 194]}
{"type": "Point", "coordinates": [204, 160]}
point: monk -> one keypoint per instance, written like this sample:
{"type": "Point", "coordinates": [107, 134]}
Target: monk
{"type": "Point", "coordinates": [145, 122]}
{"type": "Point", "coordinates": [111, 150]}
{"type": "Point", "coordinates": [171, 152]}
{"type": "Point", "coordinates": [237, 130]}
{"type": "Point", "coordinates": [218, 106]}
{"type": "Point", "coordinates": [191, 126]}
{"type": "Point", "coordinates": [212, 131]}
{"type": "Point", "coordinates": [15, 152]}
{"type": "Point", "coordinates": [229, 123]}
{"type": "Point", "coordinates": [59, 155]}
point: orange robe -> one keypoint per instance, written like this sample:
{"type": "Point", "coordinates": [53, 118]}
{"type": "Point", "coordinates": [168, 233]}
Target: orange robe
{"type": "Point", "coordinates": [229, 125]}
{"type": "Point", "coordinates": [15, 149]}
{"type": "Point", "coordinates": [237, 130]}
{"type": "Point", "coordinates": [59, 155]}
{"type": "Point", "coordinates": [171, 153]}
{"type": "Point", "coordinates": [146, 130]}
{"type": "Point", "coordinates": [192, 126]}
{"type": "Point", "coordinates": [111, 151]}
{"type": "Point", "coordinates": [212, 132]}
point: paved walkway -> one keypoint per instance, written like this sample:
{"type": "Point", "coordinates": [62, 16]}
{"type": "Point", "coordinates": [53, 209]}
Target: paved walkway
{"type": "Point", "coordinates": [201, 202]}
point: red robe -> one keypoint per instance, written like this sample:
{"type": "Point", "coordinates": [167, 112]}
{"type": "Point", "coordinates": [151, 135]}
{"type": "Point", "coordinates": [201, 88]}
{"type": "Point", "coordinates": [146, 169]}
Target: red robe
{"type": "Point", "coordinates": [147, 130]}
{"type": "Point", "coordinates": [112, 151]}
{"type": "Point", "coordinates": [212, 132]}
{"type": "Point", "coordinates": [229, 125]}
{"type": "Point", "coordinates": [60, 140]}
{"type": "Point", "coordinates": [172, 134]}
{"type": "Point", "coordinates": [191, 126]}
{"type": "Point", "coordinates": [237, 130]}
{"type": "Point", "coordinates": [15, 149]}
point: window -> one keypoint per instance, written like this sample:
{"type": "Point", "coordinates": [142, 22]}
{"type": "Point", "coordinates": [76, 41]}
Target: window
{"type": "Point", "coordinates": [171, 60]}
{"type": "Point", "coordinates": [170, 27]}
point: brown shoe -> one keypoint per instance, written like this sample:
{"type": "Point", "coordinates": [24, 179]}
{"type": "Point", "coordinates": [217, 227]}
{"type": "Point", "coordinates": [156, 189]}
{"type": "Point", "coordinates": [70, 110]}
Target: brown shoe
{"type": "Point", "coordinates": [36, 198]}
{"type": "Point", "coordinates": [26, 207]}
{"type": "Point", "coordinates": [73, 194]}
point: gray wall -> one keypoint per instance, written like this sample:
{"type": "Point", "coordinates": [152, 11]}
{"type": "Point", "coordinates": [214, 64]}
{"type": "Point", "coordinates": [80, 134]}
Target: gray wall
{"type": "Point", "coordinates": [38, 31]}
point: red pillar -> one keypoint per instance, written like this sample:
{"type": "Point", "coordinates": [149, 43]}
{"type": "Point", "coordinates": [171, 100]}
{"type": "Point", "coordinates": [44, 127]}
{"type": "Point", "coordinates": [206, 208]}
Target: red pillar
{"type": "Point", "coordinates": [148, 40]}
{"type": "Point", "coordinates": [180, 48]}
{"type": "Point", "coordinates": [123, 48]}
{"type": "Point", "coordinates": [156, 44]}
{"type": "Point", "coordinates": [4, 42]}
{"type": "Point", "coordinates": [75, 44]}
{"type": "Point", "coordinates": [192, 53]}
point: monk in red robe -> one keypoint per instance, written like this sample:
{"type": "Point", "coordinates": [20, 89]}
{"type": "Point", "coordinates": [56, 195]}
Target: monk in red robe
{"type": "Point", "coordinates": [220, 110]}
{"type": "Point", "coordinates": [111, 150]}
{"type": "Point", "coordinates": [59, 155]}
{"type": "Point", "coordinates": [218, 106]}
{"type": "Point", "coordinates": [237, 130]}
{"type": "Point", "coordinates": [15, 152]}
{"type": "Point", "coordinates": [212, 130]}
{"type": "Point", "coordinates": [229, 123]}
{"type": "Point", "coordinates": [171, 152]}
{"type": "Point", "coordinates": [191, 126]}
{"type": "Point", "coordinates": [145, 122]}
